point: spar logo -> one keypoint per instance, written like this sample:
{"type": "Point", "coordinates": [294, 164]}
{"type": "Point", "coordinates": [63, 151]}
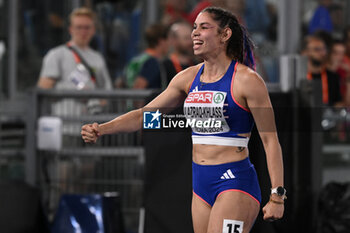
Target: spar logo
{"type": "Point", "coordinates": [218, 98]}
{"type": "Point", "coordinates": [205, 97]}
{"type": "Point", "coordinates": [200, 97]}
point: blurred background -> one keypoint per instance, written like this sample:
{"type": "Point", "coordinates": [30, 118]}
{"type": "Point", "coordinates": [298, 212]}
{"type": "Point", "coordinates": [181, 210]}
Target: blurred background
{"type": "Point", "coordinates": [50, 181]}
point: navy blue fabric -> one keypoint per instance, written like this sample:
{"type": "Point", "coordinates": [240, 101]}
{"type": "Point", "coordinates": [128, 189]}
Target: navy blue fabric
{"type": "Point", "coordinates": [321, 20]}
{"type": "Point", "coordinates": [239, 120]}
{"type": "Point", "coordinates": [207, 182]}
{"type": "Point", "coordinates": [151, 72]}
{"type": "Point", "coordinates": [89, 213]}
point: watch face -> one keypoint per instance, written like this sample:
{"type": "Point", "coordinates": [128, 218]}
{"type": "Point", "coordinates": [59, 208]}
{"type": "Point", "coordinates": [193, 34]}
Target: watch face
{"type": "Point", "coordinates": [281, 191]}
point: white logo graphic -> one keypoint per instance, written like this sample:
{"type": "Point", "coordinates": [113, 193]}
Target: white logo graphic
{"type": "Point", "coordinates": [156, 115]}
{"type": "Point", "coordinates": [228, 175]}
{"type": "Point", "coordinates": [195, 89]}
{"type": "Point", "coordinates": [151, 120]}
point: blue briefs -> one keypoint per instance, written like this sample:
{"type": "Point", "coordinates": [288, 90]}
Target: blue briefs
{"type": "Point", "coordinates": [209, 181]}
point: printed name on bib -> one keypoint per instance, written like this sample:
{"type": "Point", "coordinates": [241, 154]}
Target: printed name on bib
{"type": "Point", "coordinates": [206, 106]}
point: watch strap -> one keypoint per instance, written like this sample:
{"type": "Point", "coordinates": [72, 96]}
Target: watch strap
{"type": "Point", "coordinates": [276, 202]}
{"type": "Point", "coordinates": [275, 191]}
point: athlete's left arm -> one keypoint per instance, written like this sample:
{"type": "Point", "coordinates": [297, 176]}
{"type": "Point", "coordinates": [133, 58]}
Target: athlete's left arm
{"type": "Point", "coordinates": [255, 93]}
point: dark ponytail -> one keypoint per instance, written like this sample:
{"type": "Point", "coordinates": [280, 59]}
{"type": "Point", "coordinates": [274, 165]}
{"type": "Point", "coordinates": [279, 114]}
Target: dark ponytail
{"type": "Point", "coordinates": [248, 58]}
{"type": "Point", "coordinates": [240, 46]}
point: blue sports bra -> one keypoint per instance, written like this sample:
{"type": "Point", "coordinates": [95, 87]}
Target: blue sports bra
{"type": "Point", "coordinates": [215, 117]}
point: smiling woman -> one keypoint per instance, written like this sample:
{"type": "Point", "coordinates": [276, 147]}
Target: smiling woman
{"type": "Point", "coordinates": [234, 47]}
{"type": "Point", "coordinates": [226, 89]}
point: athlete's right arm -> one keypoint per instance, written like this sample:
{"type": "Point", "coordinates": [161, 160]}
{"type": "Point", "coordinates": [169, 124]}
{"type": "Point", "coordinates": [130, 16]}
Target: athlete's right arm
{"type": "Point", "coordinates": [173, 96]}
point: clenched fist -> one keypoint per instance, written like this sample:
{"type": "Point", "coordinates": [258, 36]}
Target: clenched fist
{"type": "Point", "coordinates": [90, 132]}
{"type": "Point", "coordinates": [273, 211]}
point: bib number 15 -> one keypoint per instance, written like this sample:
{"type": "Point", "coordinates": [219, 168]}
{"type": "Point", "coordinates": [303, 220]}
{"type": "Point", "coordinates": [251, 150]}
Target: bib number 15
{"type": "Point", "coordinates": [232, 226]}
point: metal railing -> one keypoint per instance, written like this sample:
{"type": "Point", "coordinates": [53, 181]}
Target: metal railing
{"type": "Point", "coordinates": [12, 145]}
{"type": "Point", "coordinates": [114, 164]}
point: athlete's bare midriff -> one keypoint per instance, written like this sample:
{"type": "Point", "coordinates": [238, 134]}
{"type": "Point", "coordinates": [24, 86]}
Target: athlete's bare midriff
{"type": "Point", "coordinates": [215, 154]}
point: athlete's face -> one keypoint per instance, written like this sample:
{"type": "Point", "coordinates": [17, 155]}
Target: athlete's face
{"type": "Point", "coordinates": [205, 36]}
{"type": "Point", "coordinates": [82, 29]}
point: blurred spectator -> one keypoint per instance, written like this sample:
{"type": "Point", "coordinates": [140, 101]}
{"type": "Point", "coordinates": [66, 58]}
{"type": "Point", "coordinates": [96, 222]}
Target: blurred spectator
{"type": "Point", "coordinates": [321, 19]}
{"type": "Point", "coordinates": [175, 10]}
{"type": "Point", "coordinates": [201, 5]}
{"type": "Point", "coordinates": [145, 70]}
{"type": "Point", "coordinates": [326, 37]}
{"type": "Point", "coordinates": [34, 13]}
{"type": "Point", "coordinates": [273, 15]}
{"type": "Point", "coordinates": [56, 22]}
{"type": "Point", "coordinates": [256, 19]}
{"type": "Point", "coordinates": [118, 33]}
{"type": "Point", "coordinates": [336, 12]}
{"type": "Point", "coordinates": [75, 65]}
{"type": "Point", "coordinates": [336, 64]}
{"type": "Point", "coordinates": [197, 9]}
{"type": "Point", "coordinates": [314, 48]}
{"type": "Point", "coordinates": [182, 55]}
{"type": "Point", "coordinates": [346, 61]}
{"type": "Point", "coordinates": [347, 45]}
{"type": "Point", "coordinates": [237, 7]}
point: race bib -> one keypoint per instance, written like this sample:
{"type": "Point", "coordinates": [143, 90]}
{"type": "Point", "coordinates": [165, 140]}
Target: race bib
{"type": "Point", "coordinates": [205, 112]}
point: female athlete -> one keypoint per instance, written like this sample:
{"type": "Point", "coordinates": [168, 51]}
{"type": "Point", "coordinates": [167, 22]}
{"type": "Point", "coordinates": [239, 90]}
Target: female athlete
{"type": "Point", "coordinates": [224, 88]}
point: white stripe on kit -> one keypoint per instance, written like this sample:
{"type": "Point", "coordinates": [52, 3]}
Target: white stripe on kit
{"type": "Point", "coordinates": [228, 175]}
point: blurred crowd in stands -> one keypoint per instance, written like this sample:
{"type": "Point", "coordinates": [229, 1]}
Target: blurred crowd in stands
{"type": "Point", "coordinates": [148, 56]}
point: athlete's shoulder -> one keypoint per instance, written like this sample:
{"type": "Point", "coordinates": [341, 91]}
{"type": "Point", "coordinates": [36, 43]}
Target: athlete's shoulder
{"type": "Point", "coordinates": [247, 76]}
{"type": "Point", "coordinates": [249, 83]}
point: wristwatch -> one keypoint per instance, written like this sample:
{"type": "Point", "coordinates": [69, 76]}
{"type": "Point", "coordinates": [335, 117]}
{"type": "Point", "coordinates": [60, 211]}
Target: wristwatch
{"type": "Point", "coordinates": [280, 191]}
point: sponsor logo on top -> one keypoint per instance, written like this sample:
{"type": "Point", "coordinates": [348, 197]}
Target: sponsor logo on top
{"type": "Point", "coordinates": [200, 97]}
{"type": "Point", "coordinates": [205, 97]}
